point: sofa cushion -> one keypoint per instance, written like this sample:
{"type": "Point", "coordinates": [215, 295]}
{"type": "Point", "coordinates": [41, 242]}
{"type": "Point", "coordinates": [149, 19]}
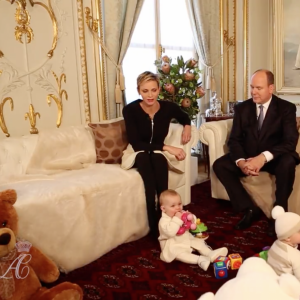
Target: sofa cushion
{"type": "Point", "coordinates": [62, 149]}
{"type": "Point", "coordinates": [110, 140]}
{"type": "Point", "coordinates": [15, 154]}
{"type": "Point", "coordinates": [77, 216]}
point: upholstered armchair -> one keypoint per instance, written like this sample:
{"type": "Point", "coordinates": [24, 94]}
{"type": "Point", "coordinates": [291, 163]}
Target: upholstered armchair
{"type": "Point", "coordinates": [261, 188]}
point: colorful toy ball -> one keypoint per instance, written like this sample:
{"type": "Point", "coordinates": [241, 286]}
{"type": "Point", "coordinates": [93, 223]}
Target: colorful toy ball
{"type": "Point", "coordinates": [225, 259]}
{"type": "Point", "coordinates": [235, 261]}
{"type": "Point", "coordinates": [220, 270]}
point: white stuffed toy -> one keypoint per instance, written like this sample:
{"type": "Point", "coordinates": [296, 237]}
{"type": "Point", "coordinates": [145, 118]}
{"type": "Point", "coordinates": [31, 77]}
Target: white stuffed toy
{"type": "Point", "coordinates": [257, 280]}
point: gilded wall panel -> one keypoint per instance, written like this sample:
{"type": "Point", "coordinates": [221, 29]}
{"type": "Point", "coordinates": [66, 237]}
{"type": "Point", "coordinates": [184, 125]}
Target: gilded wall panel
{"type": "Point", "coordinates": [228, 41]}
{"type": "Point", "coordinates": [47, 66]}
{"type": "Point", "coordinates": [236, 60]}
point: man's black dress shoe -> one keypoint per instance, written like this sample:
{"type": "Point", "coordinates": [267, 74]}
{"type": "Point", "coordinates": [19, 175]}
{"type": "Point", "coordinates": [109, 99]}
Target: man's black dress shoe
{"type": "Point", "coordinates": [250, 216]}
{"type": "Point", "coordinates": [271, 228]}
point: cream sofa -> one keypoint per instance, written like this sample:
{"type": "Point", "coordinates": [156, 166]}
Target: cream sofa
{"type": "Point", "coordinates": [71, 208]}
{"type": "Point", "coordinates": [261, 188]}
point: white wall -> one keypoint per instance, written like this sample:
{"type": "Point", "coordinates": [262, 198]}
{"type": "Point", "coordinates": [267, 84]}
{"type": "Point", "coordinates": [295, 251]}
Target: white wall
{"type": "Point", "coordinates": [261, 40]}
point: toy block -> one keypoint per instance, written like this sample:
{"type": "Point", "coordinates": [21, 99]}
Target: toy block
{"type": "Point", "coordinates": [220, 270]}
{"type": "Point", "coordinates": [235, 261]}
{"type": "Point", "coordinates": [225, 259]}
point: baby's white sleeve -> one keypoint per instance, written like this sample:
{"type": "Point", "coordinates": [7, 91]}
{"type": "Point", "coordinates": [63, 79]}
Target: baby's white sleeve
{"type": "Point", "coordinates": [170, 227]}
{"type": "Point", "coordinates": [296, 264]}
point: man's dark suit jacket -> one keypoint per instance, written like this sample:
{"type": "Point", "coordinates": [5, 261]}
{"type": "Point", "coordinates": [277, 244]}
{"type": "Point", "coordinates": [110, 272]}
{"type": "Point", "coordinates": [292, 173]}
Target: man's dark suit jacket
{"type": "Point", "coordinates": [278, 134]}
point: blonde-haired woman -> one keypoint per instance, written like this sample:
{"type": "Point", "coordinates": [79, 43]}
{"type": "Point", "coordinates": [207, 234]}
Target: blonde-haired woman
{"type": "Point", "coordinates": [147, 125]}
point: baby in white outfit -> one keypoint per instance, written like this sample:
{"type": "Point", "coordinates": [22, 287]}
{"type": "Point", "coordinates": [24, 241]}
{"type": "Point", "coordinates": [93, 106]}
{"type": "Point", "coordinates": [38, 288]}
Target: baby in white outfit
{"type": "Point", "coordinates": [180, 247]}
{"type": "Point", "coordinates": [284, 256]}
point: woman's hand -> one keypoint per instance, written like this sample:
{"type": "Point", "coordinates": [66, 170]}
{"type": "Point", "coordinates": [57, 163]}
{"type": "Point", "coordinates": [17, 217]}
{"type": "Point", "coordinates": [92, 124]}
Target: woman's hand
{"type": "Point", "coordinates": [177, 152]}
{"type": "Point", "coordinates": [186, 134]}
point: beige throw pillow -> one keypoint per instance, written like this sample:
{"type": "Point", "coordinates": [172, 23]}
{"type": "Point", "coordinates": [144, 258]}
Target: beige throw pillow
{"type": "Point", "coordinates": [110, 140]}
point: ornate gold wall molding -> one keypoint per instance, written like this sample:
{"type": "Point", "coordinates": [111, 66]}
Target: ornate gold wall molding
{"type": "Point", "coordinates": [103, 86]}
{"type": "Point", "coordinates": [23, 19]}
{"type": "Point", "coordinates": [246, 46]}
{"type": "Point", "coordinates": [56, 95]}
{"type": "Point", "coordinates": [82, 45]}
{"type": "Point", "coordinates": [226, 41]}
{"type": "Point", "coordinates": [229, 41]}
{"type": "Point", "coordinates": [2, 121]}
{"type": "Point", "coordinates": [22, 15]}
{"type": "Point", "coordinates": [58, 99]}
{"type": "Point", "coordinates": [22, 2]}
{"type": "Point", "coordinates": [61, 95]}
{"type": "Point", "coordinates": [90, 22]}
{"type": "Point", "coordinates": [221, 5]}
{"type": "Point", "coordinates": [96, 28]}
{"type": "Point", "coordinates": [228, 50]}
{"type": "Point", "coordinates": [31, 115]}
{"type": "Point", "coordinates": [234, 49]}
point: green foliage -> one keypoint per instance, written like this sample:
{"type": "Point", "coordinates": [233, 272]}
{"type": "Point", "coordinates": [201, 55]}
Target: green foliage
{"type": "Point", "coordinates": [181, 83]}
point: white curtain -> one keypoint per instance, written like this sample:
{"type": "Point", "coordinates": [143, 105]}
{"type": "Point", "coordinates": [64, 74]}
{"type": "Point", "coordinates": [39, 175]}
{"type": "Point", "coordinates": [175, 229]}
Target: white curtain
{"type": "Point", "coordinates": [120, 17]}
{"type": "Point", "coordinates": [205, 22]}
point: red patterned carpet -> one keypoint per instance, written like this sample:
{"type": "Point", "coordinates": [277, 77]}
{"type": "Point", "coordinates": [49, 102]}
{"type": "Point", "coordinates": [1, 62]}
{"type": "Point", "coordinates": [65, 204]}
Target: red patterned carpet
{"type": "Point", "coordinates": [134, 270]}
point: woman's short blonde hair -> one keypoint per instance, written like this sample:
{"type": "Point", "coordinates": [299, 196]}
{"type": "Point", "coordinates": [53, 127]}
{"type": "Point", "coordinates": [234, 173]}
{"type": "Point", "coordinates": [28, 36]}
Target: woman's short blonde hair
{"type": "Point", "coordinates": [146, 76]}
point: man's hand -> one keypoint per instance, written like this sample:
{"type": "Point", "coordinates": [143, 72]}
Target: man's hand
{"type": "Point", "coordinates": [186, 134]}
{"type": "Point", "coordinates": [177, 152]}
{"type": "Point", "coordinates": [241, 164]}
{"type": "Point", "coordinates": [254, 164]}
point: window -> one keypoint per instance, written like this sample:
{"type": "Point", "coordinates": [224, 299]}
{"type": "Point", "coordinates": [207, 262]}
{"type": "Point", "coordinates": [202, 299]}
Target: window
{"type": "Point", "coordinates": [161, 22]}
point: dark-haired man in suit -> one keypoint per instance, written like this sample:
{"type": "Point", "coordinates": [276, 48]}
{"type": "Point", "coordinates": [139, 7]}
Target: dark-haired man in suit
{"type": "Point", "coordinates": [263, 138]}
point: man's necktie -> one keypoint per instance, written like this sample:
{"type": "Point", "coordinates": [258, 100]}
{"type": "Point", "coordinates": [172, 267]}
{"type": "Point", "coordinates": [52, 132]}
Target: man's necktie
{"type": "Point", "coordinates": [260, 117]}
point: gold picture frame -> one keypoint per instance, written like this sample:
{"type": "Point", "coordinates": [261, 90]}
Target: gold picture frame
{"type": "Point", "coordinates": [286, 46]}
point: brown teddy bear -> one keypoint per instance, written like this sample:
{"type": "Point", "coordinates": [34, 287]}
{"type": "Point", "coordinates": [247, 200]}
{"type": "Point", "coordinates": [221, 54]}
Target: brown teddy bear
{"type": "Point", "coordinates": [22, 266]}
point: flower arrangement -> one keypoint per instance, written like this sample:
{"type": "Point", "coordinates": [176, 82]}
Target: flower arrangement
{"type": "Point", "coordinates": [180, 83]}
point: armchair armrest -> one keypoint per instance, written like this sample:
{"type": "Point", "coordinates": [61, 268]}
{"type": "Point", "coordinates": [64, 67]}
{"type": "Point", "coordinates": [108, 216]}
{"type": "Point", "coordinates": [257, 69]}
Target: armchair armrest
{"type": "Point", "coordinates": [215, 134]}
{"type": "Point", "coordinates": [174, 139]}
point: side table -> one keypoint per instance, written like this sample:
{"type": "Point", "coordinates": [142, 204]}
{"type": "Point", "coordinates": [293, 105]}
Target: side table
{"type": "Point", "coordinates": [205, 147]}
